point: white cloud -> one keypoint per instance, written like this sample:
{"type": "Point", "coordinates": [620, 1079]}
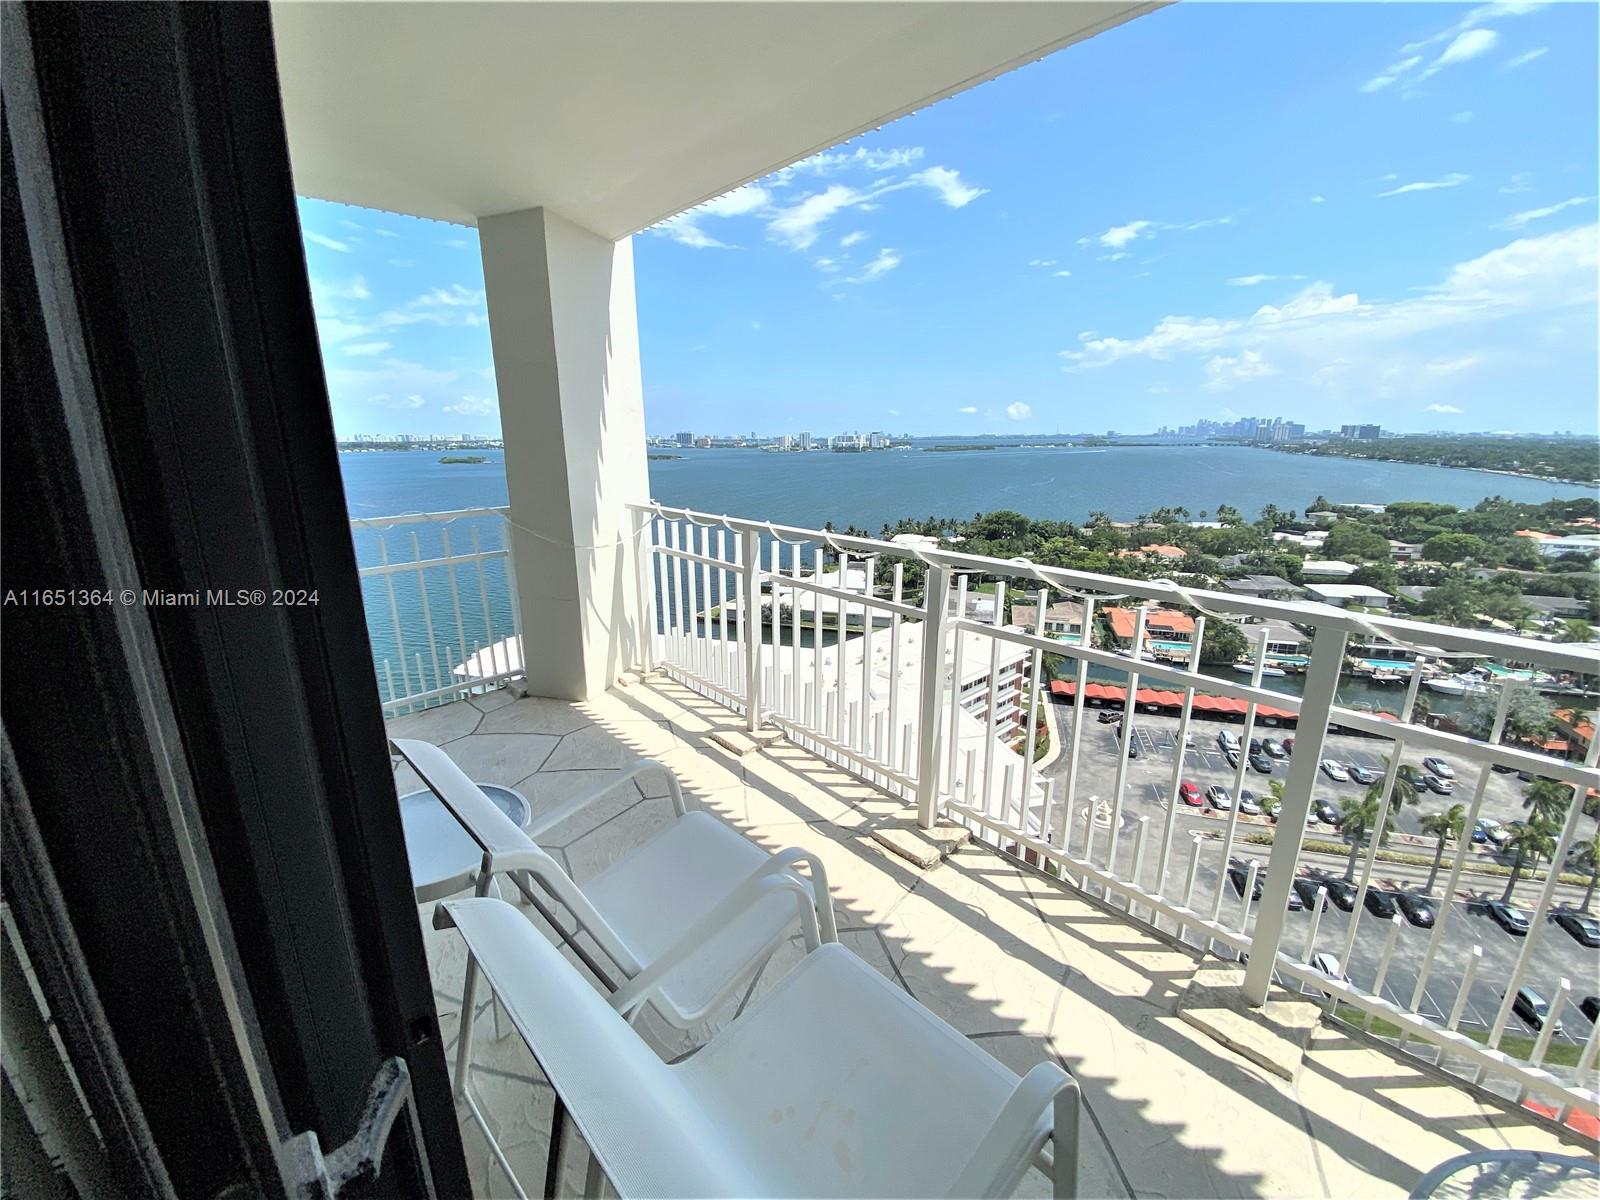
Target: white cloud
{"type": "Point", "coordinates": [1252, 280]}
{"type": "Point", "coordinates": [1454, 179]}
{"type": "Point", "coordinates": [1041, 262]}
{"type": "Point", "coordinates": [366, 349]}
{"type": "Point", "coordinates": [1523, 60]}
{"type": "Point", "coordinates": [458, 243]}
{"type": "Point", "coordinates": [332, 330]}
{"type": "Point", "coordinates": [1319, 326]}
{"type": "Point", "coordinates": [1467, 39]}
{"type": "Point", "coordinates": [850, 239]}
{"type": "Point", "coordinates": [1462, 117]}
{"type": "Point", "coordinates": [1518, 220]}
{"type": "Point", "coordinates": [402, 263]}
{"type": "Point", "coordinates": [1119, 236]}
{"type": "Point", "coordinates": [948, 184]}
{"type": "Point", "coordinates": [475, 406]}
{"type": "Point", "coordinates": [1019, 411]}
{"type": "Point", "coordinates": [1222, 372]}
{"type": "Point", "coordinates": [894, 412]}
{"type": "Point", "coordinates": [454, 296]}
{"type": "Point", "coordinates": [1391, 74]}
{"type": "Point", "coordinates": [1442, 367]}
{"type": "Point", "coordinates": [386, 233]}
{"type": "Point", "coordinates": [1522, 181]}
{"type": "Point", "coordinates": [327, 242]}
{"type": "Point", "coordinates": [886, 261]}
{"type": "Point", "coordinates": [385, 400]}
{"type": "Point", "coordinates": [1319, 199]}
{"type": "Point", "coordinates": [831, 162]}
{"type": "Point", "coordinates": [799, 224]}
{"type": "Point", "coordinates": [685, 227]}
{"type": "Point", "coordinates": [969, 410]}
{"type": "Point", "coordinates": [1441, 408]}
{"type": "Point", "coordinates": [1062, 274]}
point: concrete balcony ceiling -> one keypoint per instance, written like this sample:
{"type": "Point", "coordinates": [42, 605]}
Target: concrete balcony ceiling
{"type": "Point", "coordinates": [619, 115]}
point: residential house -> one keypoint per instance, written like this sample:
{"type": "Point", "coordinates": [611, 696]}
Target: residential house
{"type": "Point", "coordinates": [1405, 551]}
{"type": "Point", "coordinates": [1326, 570]}
{"type": "Point", "coordinates": [1168, 634]}
{"type": "Point", "coordinates": [1268, 587]}
{"type": "Point", "coordinates": [1063, 619]}
{"type": "Point", "coordinates": [1343, 595]}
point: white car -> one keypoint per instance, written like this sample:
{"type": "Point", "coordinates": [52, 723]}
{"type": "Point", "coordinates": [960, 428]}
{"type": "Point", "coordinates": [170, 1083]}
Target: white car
{"type": "Point", "coordinates": [1335, 771]}
{"type": "Point", "coordinates": [1439, 767]}
{"type": "Point", "coordinates": [1327, 964]}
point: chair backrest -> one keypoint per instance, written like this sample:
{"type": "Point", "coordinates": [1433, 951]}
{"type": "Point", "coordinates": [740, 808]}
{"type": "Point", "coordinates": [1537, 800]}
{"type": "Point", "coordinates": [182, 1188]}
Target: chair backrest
{"type": "Point", "coordinates": [636, 1117]}
{"type": "Point", "coordinates": [506, 848]}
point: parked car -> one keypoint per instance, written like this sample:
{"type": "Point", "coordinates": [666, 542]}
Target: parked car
{"type": "Point", "coordinates": [1327, 964]}
{"type": "Point", "coordinates": [1362, 774]}
{"type": "Point", "coordinates": [1439, 767]}
{"type": "Point", "coordinates": [1488, 829]}
{"type": "Point", "coordinates": [1260, 762]}
{"type": "Point", "coordinates": [1189, 794]}
{"type": "Point", "coordinates": [1227, 740]}
{"type": "Point", "coordinates": [1335, 771]}
{"type": "Point", "coordinates": [1509, 917]}
{"type": "Point", "coordinates": [1533, 1008]}
{"type": "Point", "coordinates": [1288, 746]}
{"type": "Point", "coordinates": [1417, 908]}
{"type": "Point", "coordinates": [1232, 756]}
{"type": "Point", "coordinates": [1380, 903]}
{"type": "Point", "coordinates": [1501, 768]}
{"type": "Point", "coordinates": [1439, 784]}
{"type": "Point", "coordinates": [1248, 804]}
{"type": "Point", "coordinates": [1275, 748]}
{"type": "Point", "coordinates": [1217, 797]}
{"type": "Point", "coordinates": [1238, 872]}
{"type": "Point", "coordinates": [1580, 925]}
{"type": "Point", "coordinates": [1590, 1007]}
{"type": "Point", "coordinates": [1327, 812]}
{"type": "Point", "coordinates": [1305, 886]}
{"type": "Point", "coordinates": [1255, 745]}
{"type": "Point", "coordinates": [1109, 716]}
{"type": "Point", "coordinates": [1412, 776]}
{"type": "Point", "coordinates": [1341, 891]}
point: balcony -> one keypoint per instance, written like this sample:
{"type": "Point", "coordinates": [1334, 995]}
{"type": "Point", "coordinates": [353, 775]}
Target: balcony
{"type": "Point", "coordinates": [1074, 919]}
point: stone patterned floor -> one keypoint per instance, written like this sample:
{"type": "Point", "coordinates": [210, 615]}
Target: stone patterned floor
{"type": "Point", "coordinates": [1023, 967]}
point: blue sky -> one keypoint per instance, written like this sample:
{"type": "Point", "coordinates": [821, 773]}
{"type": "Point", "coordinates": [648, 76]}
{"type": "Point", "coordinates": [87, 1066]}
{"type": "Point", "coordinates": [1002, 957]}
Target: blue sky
{"type": "Point", "coordinates": [1334, 213]}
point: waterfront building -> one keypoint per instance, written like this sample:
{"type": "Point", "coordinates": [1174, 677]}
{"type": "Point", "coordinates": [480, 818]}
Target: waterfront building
{"type": "Point", "coordinates": [1361, 433]}
{"type": "Point", "coordinates": [686, 439]}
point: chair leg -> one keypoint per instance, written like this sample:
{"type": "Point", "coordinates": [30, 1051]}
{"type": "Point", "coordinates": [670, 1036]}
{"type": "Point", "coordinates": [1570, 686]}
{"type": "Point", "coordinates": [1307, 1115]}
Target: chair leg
{"type": "Point", "coordinates": [1064, 1176]}
{"type": "Point", "coordinates": [754, 979]}
{"type": "Point", "coordinates": [494, 890]}
{"type": "Point", "coordinates": [556, 1163]}
{"type": "Point", "coordinates": [464, 1038]}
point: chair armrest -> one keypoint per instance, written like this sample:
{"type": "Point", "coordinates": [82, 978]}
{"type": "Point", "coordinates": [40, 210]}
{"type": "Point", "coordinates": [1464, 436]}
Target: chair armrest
{"type": "Point", "coordinates": [771, 876]}
{"type": "Point", "coordinates": [547, 821]}
{"type": "Point", "coordinates": [828, 929]}
{"type": "Point", "coordinates": [1013, 1137]}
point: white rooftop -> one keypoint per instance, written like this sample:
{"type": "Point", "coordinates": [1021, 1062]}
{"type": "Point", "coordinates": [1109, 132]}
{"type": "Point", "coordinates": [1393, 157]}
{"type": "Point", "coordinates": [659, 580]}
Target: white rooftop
{"type": "Point", "coordinates": [1346, 591]}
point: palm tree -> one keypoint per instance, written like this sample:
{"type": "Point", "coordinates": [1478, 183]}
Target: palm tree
{"type": "Point", "coordinates": [1358, 815]}
{"type": "Point", "coordinates": [1547, 800]}
{"type": "Point", "coordinates": [1447, 826]}
{"type": "Point", "coordinates": [1528, 841]}
{"type": "Point", "coordinates": [1586, 857]}
{"type": "Point", "coordinates": [1275, 786]}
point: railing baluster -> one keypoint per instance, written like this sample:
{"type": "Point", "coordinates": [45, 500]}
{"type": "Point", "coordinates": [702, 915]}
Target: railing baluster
{"type": "Point", "coordinates": [1383, 964]}
{"type": "Point", "coordinates": [1239, 773]}
{"type": "Point", "coordinates": [1085, 639]}
{"type": "Point", "coordinates": [492, 656]}
{"type": "Point", "coordinates": [897, 594]}
{"type": "Point", "coordinates": [816, 645]}
{"type": "Point", "coordinates": [955, 675]}
{"type": "Point", "coordinates": [455, 604]}
{"type": "Point", "coordinates": [427, 610]}
{"type": "Point", "coordinates": [394, 616]}
{"type": "Point", "coordinates": [1180, 754]}
{"type": "Point", "coordinates": [796, 599]}
{"type": "Point", "coordinates": [750, 621]}
{"type": "Point", "coordinates": [1130, 706]}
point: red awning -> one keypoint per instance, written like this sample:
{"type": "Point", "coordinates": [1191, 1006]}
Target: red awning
{"type": "Point", "coordinates": [1164, 699]}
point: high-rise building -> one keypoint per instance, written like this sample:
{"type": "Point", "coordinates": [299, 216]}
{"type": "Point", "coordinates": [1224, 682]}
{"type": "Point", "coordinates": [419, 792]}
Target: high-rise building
{"type": "Point", "coordinates": [1361, 433]}
{"type": "Point", "coordinates": [805, 441]}
{"type": "Point", "coordinates": [686, 439]}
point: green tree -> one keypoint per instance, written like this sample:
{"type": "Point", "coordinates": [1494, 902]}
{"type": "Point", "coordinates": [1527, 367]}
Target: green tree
{"type": "Point", "coordinates": [1454, 547]}
{"type": "Point", "coordinates": [1586, 857]}
{"type": "Point", "coordinates": [1447, 826]}
{"type": "Point", "coordinates": [1380, 575]}
{"type": "Point", "coordinates": [1521, 553]}
{"type": "Point", "coordinates": [1223, 643]}
{"type": "Point", "coordinates": [1575, 629]}
{"type": "Point", "coordinates": [1352, 541]}
{"type": "Point", "coordinates": [1528, 715]}
{"type": "Point", "coordinates": [1358, 817]}
{"type": "Point", "coordinates": [1528, 841]}
{"type": "Point", "coordinates": [1547, 800]}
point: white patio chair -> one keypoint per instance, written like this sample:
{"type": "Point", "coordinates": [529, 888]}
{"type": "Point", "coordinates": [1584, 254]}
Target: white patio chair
{"type": "Point", "coordinates": [835, 1083]}
{"type": "Point", "coordinates": [639, 907]}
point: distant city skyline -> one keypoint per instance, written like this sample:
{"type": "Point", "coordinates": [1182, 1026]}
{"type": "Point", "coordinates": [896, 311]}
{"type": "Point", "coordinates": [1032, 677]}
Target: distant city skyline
{"type": "Point", "coordinates": [1341, 213]}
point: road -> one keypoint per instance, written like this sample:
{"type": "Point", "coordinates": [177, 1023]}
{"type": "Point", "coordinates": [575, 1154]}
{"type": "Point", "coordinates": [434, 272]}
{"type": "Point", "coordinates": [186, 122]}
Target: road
{"type": "Point", "coordinates": [1555, 954]}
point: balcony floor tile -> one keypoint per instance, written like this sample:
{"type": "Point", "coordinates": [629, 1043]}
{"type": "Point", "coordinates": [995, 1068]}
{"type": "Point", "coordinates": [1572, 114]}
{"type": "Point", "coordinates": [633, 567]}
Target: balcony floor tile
{"type": "Point", "coordinates": [1028, 969]}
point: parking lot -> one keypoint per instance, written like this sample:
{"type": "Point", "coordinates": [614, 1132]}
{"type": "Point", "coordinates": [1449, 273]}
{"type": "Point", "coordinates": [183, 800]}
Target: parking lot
{"type": "Point", "coordinates": [1555, 956]}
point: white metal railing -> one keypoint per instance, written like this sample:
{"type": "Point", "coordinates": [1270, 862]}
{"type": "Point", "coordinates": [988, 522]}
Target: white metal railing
{"type": "Point", "coordinates": [821, 636]}
{"type": "Point", "coordinates": [439, 591]}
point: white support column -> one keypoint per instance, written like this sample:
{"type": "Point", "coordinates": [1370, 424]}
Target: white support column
{"type": "Point", "coordinates": [564, 330]}
{"type": "Point", "coordinates": [1322, 682]}
{"type": "Point", "coordinates": [930, 696]}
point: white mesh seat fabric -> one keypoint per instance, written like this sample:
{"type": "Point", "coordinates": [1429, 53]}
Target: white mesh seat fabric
{"type": "Point", "coordinates": [836, 1083]}
{"type": "Point", "coordinates": [648, 900]}
{"type": "Point", "coordinates": [650, 897]}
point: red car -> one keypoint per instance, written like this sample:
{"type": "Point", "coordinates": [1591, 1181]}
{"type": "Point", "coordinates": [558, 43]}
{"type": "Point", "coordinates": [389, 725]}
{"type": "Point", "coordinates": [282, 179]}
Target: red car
{"type": "Point", "coordinates": [1190, 795]}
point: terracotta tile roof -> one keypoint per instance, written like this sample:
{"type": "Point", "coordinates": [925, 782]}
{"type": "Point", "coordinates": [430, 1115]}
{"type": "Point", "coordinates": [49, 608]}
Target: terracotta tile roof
{"type": "Point", "coordinates": [1122, 621]}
